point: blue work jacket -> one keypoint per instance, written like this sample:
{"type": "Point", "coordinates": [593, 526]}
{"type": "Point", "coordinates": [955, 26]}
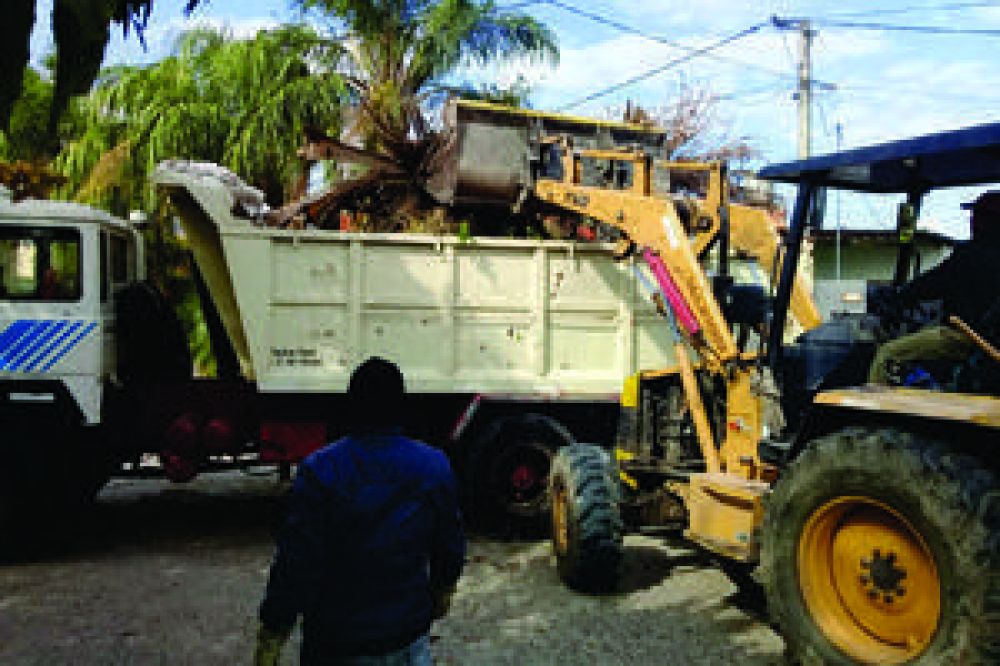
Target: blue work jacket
{"type": "Point", "coordinates": [373, 532]}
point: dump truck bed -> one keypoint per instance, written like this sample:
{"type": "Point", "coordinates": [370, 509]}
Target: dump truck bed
{"type": "Point", "coordinates": [302, 308]}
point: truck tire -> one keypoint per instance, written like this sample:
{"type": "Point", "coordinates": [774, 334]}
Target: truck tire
{"type": "Point", "coordinates": [46, 482]}
{"type": "Point", "coordinates": [587, 528]}
{"type": "Point", "coordinates": [881, 546]}
{"type": "Point", "coordinates": [509, 470]}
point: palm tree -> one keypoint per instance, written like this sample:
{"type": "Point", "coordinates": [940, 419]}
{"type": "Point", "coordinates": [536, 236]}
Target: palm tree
{"type": "Point", "coordinates": [81, 29]}
{"type": "Point", "coordinates": [244, 104]}
{"type": "Point", "coordinates": [400, 50]}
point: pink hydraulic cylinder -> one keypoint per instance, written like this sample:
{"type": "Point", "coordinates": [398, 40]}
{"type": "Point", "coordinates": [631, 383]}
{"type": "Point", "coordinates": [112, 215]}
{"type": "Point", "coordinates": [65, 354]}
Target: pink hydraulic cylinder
{"type": "Point", "coordinates": [670, 291]}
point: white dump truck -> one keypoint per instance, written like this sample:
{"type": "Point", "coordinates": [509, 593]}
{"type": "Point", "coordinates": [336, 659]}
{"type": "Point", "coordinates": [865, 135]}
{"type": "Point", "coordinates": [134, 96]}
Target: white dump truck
{"type": "Point", "coordinates": [511, 348]}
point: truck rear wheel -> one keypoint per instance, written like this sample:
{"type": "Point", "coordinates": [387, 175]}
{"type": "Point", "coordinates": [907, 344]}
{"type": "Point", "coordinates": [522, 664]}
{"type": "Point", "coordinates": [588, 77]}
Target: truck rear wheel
{"type": "Point", "coordinates": [880, 546]}
{"type": "Point", "coordinates": [510, 467]}
{"type": "Point", "coordinates": [586, 522]}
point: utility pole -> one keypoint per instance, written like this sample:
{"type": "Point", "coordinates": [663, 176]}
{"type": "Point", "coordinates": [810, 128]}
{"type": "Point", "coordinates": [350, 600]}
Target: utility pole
{"type": "Point", "coordinates": [806, 34]}
{"type": "Point", "coordinates": [805, 90]}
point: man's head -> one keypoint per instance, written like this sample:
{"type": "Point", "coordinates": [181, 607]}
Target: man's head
{"type": "Point", "coordinates": [375, 394]}
{"type": "Point", "coordinates": [985, 220]}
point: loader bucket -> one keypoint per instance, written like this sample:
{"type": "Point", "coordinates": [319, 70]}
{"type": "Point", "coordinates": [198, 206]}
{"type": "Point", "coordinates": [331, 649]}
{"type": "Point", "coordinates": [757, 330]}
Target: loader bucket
{"type": "Point", "coordinates": [492, 152]}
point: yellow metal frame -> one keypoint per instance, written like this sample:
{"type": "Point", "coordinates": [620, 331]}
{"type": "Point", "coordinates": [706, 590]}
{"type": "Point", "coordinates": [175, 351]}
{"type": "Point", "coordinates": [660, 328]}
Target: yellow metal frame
{"type": "Point", "coordinates": [479, 105]}
{"type": "Point", "coordinates": [979, 410]}
{"type": "Point", "coordinates": [725, 503]}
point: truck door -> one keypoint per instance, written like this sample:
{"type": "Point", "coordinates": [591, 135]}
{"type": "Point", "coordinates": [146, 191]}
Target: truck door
{"type": "Point", "coordinates": [47, 329]}
{"type": "Point", "coordinates": [117, 271]}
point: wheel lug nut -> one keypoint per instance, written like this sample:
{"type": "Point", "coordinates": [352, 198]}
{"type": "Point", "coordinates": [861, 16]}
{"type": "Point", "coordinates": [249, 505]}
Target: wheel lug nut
{"type": "Point", "coordinates": [865, 580]}
{"type": "Point", "coordinates": [872, 594]}
{"type": "Point", "coordinates": [900, 591]}
{"type": "Point", "coordinates": [887, 598]}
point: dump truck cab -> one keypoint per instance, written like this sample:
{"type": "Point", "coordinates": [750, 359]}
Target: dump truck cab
{"type": "Point", "coordinates": [60, 267]}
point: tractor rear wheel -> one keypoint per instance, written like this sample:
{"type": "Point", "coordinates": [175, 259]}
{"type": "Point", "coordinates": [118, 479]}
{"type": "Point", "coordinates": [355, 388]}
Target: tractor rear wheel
{"type": "Point", "coordinates": [880, 546]}
{"type": "Point", "coordinates": [586, 522]}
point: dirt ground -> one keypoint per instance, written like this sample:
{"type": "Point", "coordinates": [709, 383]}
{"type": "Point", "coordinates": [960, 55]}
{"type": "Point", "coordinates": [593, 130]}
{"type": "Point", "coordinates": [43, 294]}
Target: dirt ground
{"type": "Point", "coordinates": [163, 574]}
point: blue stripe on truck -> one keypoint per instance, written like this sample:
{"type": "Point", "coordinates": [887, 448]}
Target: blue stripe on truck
{"type": "Point", "coordinates": [38, 344]}
{"type": "Point", "coordinates": [13, 333]}
{"type": "Point", "coordinates": [15, 349]}
{"type": "Point", "coordinates": [68, 331]}
{"type": "Point", "coordinates": [28, 343]}
{"type": "Point", "coordinates": [72, 343]}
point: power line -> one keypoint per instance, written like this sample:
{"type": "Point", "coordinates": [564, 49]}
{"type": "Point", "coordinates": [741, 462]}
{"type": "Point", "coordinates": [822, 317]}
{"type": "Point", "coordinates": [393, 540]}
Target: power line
{"type": "Point", "coordinates": [925, 29]}
{"type": "Point", "coordinates": [514, 6]}
{"type": "Point", "coordinates": [749, 92]}
{"type": "Point", "coordinates": [617, 25]}
{"type": "Point", "coordinates": [664, 67]}
{"type": "Point", "coordinates": [951, 6]}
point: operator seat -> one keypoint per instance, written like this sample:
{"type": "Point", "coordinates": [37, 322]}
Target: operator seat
{"type": "Point", "coordinates": [980, 373]}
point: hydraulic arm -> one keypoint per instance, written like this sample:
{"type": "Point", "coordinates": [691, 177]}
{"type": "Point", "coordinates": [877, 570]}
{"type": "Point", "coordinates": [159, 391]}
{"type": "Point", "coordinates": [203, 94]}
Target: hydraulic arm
{"type": "Point", "coordinates": [724, 502]}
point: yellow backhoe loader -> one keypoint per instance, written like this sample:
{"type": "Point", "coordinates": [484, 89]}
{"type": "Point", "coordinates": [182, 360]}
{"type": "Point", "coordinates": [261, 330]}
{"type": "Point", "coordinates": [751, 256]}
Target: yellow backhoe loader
{"type": "Point", "coordinates": [871, 515]}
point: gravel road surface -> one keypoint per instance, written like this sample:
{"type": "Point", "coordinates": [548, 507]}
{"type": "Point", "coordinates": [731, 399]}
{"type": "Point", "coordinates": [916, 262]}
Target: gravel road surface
{"type": "Point", "coordinates": [165, 574]}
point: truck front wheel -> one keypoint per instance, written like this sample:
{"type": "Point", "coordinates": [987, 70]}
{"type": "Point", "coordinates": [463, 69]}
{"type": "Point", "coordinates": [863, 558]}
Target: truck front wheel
{"type": "Point", "coordinates": [47, 476]}
{"type": "Point", "coordinates": [880, 546]}
{"type": "Point", "coordinates": [586, 522]}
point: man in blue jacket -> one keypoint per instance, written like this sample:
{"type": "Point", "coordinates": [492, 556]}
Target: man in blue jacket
{"type": "Point", "coordinates": [373, 544]}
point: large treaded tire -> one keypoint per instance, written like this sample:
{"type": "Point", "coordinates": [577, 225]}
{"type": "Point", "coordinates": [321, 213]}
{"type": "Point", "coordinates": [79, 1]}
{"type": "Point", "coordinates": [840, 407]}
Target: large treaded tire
{"type": "Point", "coordinates": [949, 499]}
{"type": "Point", "coordinates": [589, 543]}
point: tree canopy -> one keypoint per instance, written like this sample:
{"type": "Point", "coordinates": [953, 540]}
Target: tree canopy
{"type": "Point", "coordinates": [27, 135]}
{"type": "Point", "coordinates": [81, 30]}
{"type": "Point", "coordinates": [245, 104]}
{"type": "Point", "coordinates": [399, 49]}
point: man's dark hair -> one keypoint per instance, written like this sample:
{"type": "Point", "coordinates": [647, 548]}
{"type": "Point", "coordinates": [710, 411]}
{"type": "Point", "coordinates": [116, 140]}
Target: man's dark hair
{"type": "Point", "coordinates": [375, 395]}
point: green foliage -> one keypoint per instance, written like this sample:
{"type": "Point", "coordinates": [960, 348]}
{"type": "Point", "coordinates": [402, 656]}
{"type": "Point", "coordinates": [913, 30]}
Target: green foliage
{"type": "Point", "coordinates": [169, 263]}
{"type": "Point", "coordinates": [244, 104]}
{"type": "Point", "coordinates": [27, 136]}
{"type": "Point", "coordinates": [516, 94]}
{"type": "Point", "coordinates": [400, 48]}
{"type": "Point", "coordinates": [81, 29]}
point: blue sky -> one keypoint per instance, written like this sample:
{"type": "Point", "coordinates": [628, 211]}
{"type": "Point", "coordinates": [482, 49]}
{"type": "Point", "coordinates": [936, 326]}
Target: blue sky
{"type": "Point", "coordinates": [888, 84]}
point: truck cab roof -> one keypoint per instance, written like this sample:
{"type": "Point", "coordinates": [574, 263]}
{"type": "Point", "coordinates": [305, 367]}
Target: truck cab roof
{"type": "Point", "coordinates": [56, 211]}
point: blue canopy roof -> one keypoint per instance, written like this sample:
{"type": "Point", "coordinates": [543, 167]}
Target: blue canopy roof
{"type": "Point", "coordinates": [969, 156]}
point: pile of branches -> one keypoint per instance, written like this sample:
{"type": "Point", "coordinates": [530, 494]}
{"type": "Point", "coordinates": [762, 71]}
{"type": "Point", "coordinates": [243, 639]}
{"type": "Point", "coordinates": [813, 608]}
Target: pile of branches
{"type": "Point", "coordinates": [28, 180]}
{"type": "Point", "coordinates": [390, 196]}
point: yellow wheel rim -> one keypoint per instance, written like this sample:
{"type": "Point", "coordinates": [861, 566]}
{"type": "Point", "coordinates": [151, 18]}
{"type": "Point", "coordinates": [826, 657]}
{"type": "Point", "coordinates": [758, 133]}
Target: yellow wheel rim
{"type": "Point", "coordinates": [560, 519]}
{"type": "Point", "coordinates": [869, 581]}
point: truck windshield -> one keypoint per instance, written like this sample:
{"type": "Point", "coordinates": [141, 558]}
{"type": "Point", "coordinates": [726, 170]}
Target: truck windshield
{"type": "Point", "coordinates": [39, 264]}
